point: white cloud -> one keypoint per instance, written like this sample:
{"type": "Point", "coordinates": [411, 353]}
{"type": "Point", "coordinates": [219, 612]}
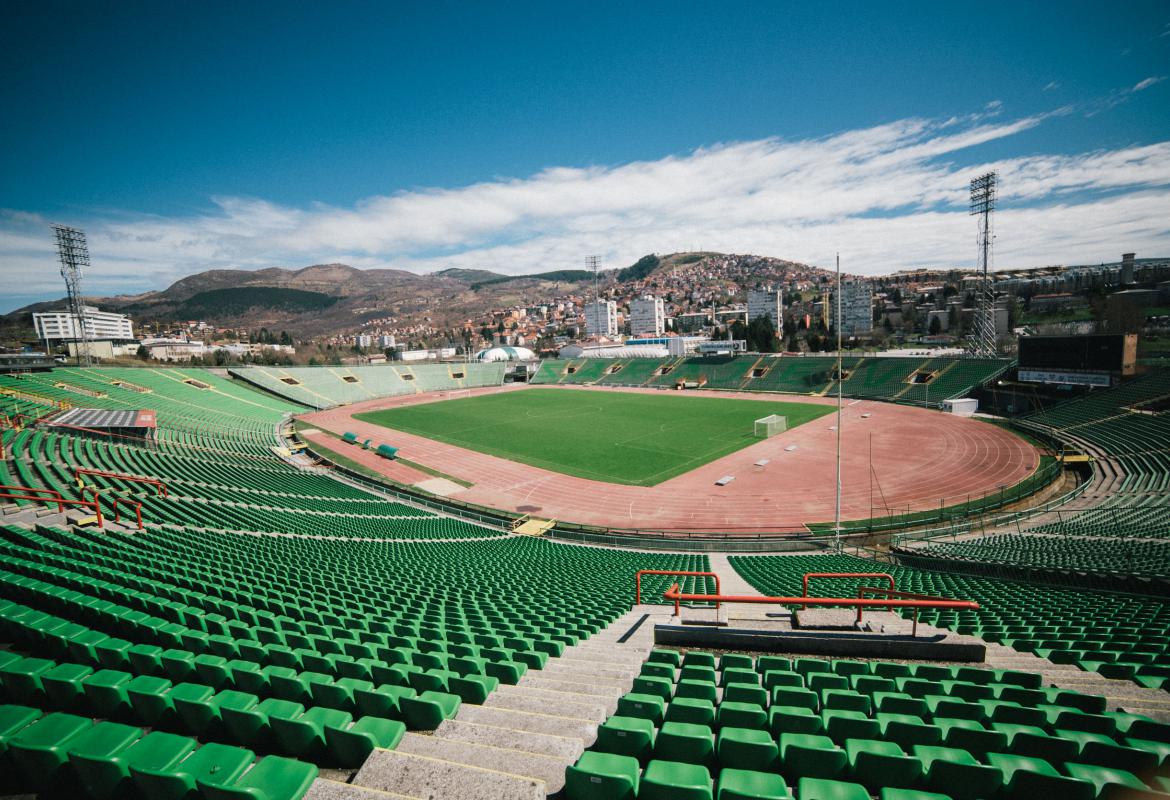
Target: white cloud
{"type": "Point", "coordinates": [1147, 83]}
{"type": "Point", "coordinates": [888, 197]}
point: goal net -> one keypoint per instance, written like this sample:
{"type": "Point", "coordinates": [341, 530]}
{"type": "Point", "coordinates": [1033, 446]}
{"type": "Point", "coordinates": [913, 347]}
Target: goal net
{"type": "Point", "coordinates": [770, 426]}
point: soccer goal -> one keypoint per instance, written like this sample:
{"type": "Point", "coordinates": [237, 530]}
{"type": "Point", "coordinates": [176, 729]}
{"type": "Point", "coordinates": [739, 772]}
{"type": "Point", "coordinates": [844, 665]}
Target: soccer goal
{"type": "Point", "coordinates": [770, 426]}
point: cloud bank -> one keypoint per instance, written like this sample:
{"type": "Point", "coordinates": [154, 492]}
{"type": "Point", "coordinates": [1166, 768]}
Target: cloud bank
{"type": "Point", "coordinates": [888, 197]}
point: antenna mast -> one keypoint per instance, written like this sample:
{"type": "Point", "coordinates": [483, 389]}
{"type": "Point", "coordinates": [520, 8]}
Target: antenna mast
{"type": "Point", "coordinates": [982, 343]}
{"type": "Point", "coordinates": [73, 254]}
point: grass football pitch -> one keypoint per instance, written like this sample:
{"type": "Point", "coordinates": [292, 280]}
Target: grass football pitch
{"type": "Point", "coordinates": [617, 437]}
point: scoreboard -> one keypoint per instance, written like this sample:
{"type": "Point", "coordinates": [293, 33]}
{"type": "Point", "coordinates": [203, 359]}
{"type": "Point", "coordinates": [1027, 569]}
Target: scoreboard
{"type": "Point", "coordinates": [1095, 360]}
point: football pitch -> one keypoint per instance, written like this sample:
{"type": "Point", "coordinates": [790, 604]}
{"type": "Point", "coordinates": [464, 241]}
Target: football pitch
{"type": "Point", "coordinates": [617, 437]}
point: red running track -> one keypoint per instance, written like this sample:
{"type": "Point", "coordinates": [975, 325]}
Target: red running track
{"type": "Point", "coordinates": [919, 457]}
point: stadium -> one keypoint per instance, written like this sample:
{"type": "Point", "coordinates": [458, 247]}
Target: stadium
{"type": "Point", "coordinates": [629, 578]}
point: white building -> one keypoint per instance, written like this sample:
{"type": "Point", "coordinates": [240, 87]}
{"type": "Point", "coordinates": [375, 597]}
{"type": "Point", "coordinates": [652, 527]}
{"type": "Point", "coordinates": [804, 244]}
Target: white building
{"type": "Point", "coordinates": [601, 318]}
{"type": "Point", "coordinates": [856, 308]}
{"type": "Point", "coordinates": [647, 316]}
{"type": "Point", "coordinates": [766, 303]}
{"type": "Point", "coordinates": [363, 340]}
{"type": "Point", "coordinates": [169, 349]}
{"type": "Point", "coordinates": [99, 326]}
{"type": "Point", "coordinates": [387, 340]}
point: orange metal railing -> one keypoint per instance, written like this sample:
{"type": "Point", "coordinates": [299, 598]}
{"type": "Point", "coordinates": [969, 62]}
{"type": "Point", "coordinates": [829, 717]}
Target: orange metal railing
{"type": "Point", "coordinates": [673, 594]}
{"type": "Point", "coordinates": [160, 487]}
{"type": "Point", "coordinates": [641, 572]}
{"type": "Point", "coordinates": [54, 497]}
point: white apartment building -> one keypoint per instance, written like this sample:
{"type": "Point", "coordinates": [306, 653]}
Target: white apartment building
{"type": "Point", "coordinates": [99, 326]}
{"type": "Point", "coordinates": [766, 303]}
{"type": "Point", "coordinates": [601, 318]}
{"type": "Point", "coordinates": [856, 308]}
{"type": "Point", "coordinates": [363, 340]}
{"type": "Point", "coordinates": [647, 316]}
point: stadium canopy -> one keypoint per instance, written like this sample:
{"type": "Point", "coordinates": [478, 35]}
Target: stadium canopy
{"type": "Point", "coordinates": [504, 353]}
{"type": "Point", "coordinates": [135, 423]}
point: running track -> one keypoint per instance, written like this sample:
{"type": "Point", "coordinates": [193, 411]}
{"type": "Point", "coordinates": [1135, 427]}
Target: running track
{"type": "Point", "coordinates": [919, 456]}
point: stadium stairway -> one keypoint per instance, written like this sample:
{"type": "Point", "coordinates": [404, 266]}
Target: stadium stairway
{"type": "Point", "coordinates": [519, 742]}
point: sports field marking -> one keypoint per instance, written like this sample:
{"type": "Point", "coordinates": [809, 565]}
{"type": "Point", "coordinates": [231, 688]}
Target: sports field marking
{"type": "Point", "coordinates": [616, 437]}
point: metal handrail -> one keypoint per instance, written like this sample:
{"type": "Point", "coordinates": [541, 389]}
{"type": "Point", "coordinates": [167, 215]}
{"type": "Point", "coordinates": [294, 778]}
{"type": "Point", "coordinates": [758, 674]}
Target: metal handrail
{"type": "Point", "coordinates": [160, 487]}
{"type": "Point", "coordinates": [810, 575]}
{"type": "Point", "coordinates": [60, 501]}
{"type": "Point", "coordinates": [676, 596]}
{"type": "Point", "coordinates": [682, 573]}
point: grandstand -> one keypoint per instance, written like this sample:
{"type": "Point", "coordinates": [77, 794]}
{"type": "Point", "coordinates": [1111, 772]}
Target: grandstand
{"type": "Point", "coordinates": [275, 630]}
{"type": "Point", "coordinates": [326, 387]}
{"type": "Point", "coordinates": [905, 380]}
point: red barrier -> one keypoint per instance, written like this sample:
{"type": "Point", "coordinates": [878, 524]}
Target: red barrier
{"type": "Point", "coordinates": [137, 509]}
{"type": "Point", "coordinates": [641, 572]}
{"type": "Point", "coordinates": [809, 575]}
{"type": "Point", "coordinates": [60, 501]}
{"type": "Point", "coordinates": [675, 595]}
{"type": "Point", "coordinates": [54, 495]}
{"type": "Point", "coordinates": [160, 487]}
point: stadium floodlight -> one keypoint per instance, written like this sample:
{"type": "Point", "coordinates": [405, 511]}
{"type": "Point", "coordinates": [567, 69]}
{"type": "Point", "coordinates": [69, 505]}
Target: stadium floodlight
{"type": "Point", "coordinates": [984, 193]}
{"type": "Point", "coordinates": [73, 254]}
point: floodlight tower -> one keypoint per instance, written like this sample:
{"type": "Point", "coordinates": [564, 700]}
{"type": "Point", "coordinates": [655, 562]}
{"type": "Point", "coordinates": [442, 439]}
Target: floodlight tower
{"type": "Point", "coordinates": [593, 263]}
{"type": "Point", "coordinates": [982, 343]}
{"type": "Point", "coordinates": [73, 254]}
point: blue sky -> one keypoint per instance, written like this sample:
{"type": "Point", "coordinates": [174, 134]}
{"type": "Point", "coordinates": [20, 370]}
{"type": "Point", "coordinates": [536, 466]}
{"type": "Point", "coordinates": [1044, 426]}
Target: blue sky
{"type": "Point", "coordinates": [519, 137]}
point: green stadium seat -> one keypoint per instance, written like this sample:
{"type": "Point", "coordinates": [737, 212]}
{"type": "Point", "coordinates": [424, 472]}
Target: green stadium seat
{"type": "Point", "coordinates": [824, 789]}
{"type": "Point", "coordinates": [738, 784]}
{"type": "Point", "coordinates": [98, 757]}
{"type": "Point", "coordinates": [685, 742]}
{"type": "Point", "coordinates": [178, 779]}
{"type": "Point", "coordinates": [805, 755]}
{"type": "Point", "coordinates": [272, 778]}
{"type": "Point", "coordinates": [626, 736]}
{"type": "Point", "coordinates": [876, 764]}
{"type": "Point", "coordinates": [1032, 777]}
{"type": "Point", "coordinates": [957, 773]}
{"type": "Point", "coordinates": [350, 745]}
{"type": "Point", "coordinates": [669, 780]}
{"type": "Point", "coordinates": [428, 710]}
{"type": "Point", "coordinates": [602, 776]}
{"type": "Point", "coordinates": [690, 709]}
{"type": "Point", "coordinates": [749, 749]}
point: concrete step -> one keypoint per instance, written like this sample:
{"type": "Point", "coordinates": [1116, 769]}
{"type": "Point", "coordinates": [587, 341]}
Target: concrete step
{"type": "Point", "coordinates": [549, 770]}
{"type": "Point", "coordinates": [323, 789]}
{"type": "Point", "coordinates": [436, 779]}
{"type": "Point", "coordinates": [564, 684]}
{"type": "Point", "coordinates": [607, 703]}
{"type": "Point", "coordinates": [562, 747]}
{"type": "Point", "coordinates": [540, 701]}
{"type": "Point", "coordinates": [549, 724]}
{"type": "Point", "coordinates": [589, 673]}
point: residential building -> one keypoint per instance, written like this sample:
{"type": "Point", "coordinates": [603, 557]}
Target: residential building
{"type": "Point", "coordinates": [601, 318]}
{"type": "Point", "coordinates": [856, 308]}
{"type": "Point", "coordinates": [647, 316]}
{"type": "Point", "coordinates": [766, 303]}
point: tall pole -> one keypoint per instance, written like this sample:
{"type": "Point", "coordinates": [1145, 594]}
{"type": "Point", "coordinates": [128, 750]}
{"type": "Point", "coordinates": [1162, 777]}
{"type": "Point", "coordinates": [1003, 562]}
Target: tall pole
{"type": "Point", "coordinates": [73, 255]}
{"type": "Point", "coordinates": [837, 512]}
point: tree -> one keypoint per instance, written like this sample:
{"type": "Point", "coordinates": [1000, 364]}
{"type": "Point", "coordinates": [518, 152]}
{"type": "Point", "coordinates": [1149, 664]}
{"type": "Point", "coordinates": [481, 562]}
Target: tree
{"type": "Point", "coordinates": [143, 353]}
{"type": "Point", "coordinates": [935, 326]}
{"type": "Point", "coordinates": [285, 339]}
{"type": "Point", "coordinates": [761, 335]}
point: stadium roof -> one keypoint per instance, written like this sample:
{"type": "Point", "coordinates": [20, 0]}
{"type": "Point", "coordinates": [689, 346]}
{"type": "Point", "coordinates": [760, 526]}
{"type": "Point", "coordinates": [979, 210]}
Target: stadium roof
{"type": "Point", "coordinates": [103, 418]}
{"type": "Point", "coordinates": [505, 353]}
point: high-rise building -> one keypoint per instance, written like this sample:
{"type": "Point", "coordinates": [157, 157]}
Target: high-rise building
{"type": "Point", "coordinates": [647, 316]}
{"type": "Point", "coordinates": [601, 318]}
{"type": "Point", "coordinates": [766, 303]}
{"type": "Point", "coordinates": [856, 308]}
{"type": "Point", "coordinates": [99, 325]}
